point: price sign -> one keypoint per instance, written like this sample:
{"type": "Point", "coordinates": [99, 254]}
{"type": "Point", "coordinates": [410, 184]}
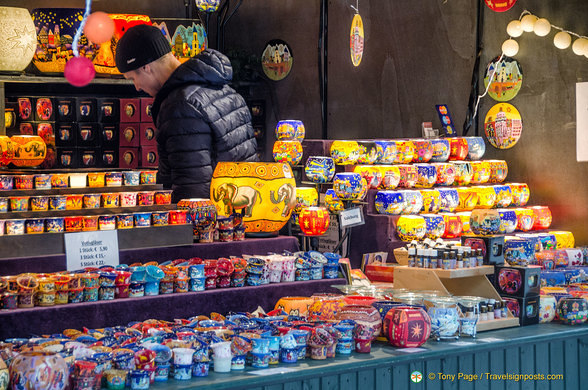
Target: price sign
{"type": "Point", "coordinates": [351, 217]}
{"type": "Point", "coordinates": [91, 249]}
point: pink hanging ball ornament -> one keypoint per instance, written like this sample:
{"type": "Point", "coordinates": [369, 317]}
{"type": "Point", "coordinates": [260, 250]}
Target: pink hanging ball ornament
{"type": "Point", "coordinates": [79, 71]}
{"type": "Point", "coordinates": [99, 27]}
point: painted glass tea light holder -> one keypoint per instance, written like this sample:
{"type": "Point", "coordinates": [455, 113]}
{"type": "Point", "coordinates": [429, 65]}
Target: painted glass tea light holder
{"type": "Point", "coordinates": [444, 315]}
{"type": "Point", "coordinates": [431, 200]}
{"type": "Point", "coordinates": [113, 179]}
{"type": "Point", "coordinates": [319, 169]}
{"type": "Point", "coordinates": [34, 225]}
{"type": "Point", "coordinates": [423, 150]}
{"type": "Point", "coordinates": [131, 178]}
{"type": "Point", "coordinates": [23, 182]}
{"type": "Point", "coordinates": [110, 199]}
{"type": "Point", "coordinates": [147, 177]}
{"type": "Point", "coordinates": [55, 224]}
{"type": "Point", "coordinates": [287, 151]}
{"type": "Point", "coordinates": [453, 225]}
{"type": "Point", "coordinates": [4, 205]}
{"type": "Point", "coordinates": [124, 221]}
{"type": "Point", "coordinates": [449, 199]}
{"type": "Point", "coordinates": [6, 182]}
{"type": "Point", "coordinates": [77, 180]}
{"type": "Point", "coordinates": [525, 219]}
{"type": "Point", "coordinates": [142, 219]}
{"type": "Point", "coordinates": [413, 201]}
{"type": "Point", "coordinates": [368, 152]}
{"type": "Point", "coordinates": [427, 175]}
{"type": "Point", "coordinates": [332, 201]}
{"type": "Point", "coordinates": [476, 147]}
{"type": "Point", "coordinates": [350, 186]}
{"type": "Point", "coordinates": [314, 221]}
{"type": "Point", "coordinates": [520, 193]}
{"type": "Point", "coordinates": [39, 203]}
{"type": "Point", "coordinates": [408, 175]}
{"type": "Point", "coordinates": [543, 217]}
{"type": "Point", "coordinates": [465, 221]}
{"type": "Point", "coordinates": [434, 225]}
{"type": "Point", "coordinates": [145, 198]}
{"type": "Point", "coordinates": [74, 201]}
{"type": "Point", "coordinates": [503, 195]}
{"type": "Point", "coordinates": [107, 222]}
{"type": "Point", "coordinates": [345, 152]}
{"type": "Point", "coordinates": [486, 197]}
{"type": "Point", "coordinates": [411, 227]}
{"type": "Point", "coordinates": [463, 172]}
{"type": "Point", "coordinates": [404, 151]}
{"type": "Point", "coordinates": [390, 202]}
{"type": "Point", "coordinates": [441, 150]}
{"type": "Point", "coordinates": [498, 171]}
{"type": "Point", "coordinates": [508, 221]}
{"type": "Point", "coordinates": [407, 326]}
{"type": "Point", "coordinates": [485, 222]}
{"type": "Point", "coordinates": [372, 175]}
{"type": "Point", "coordinates": [517, 251]}
{"type": "Point", "coordinates": [163, 197]}
{"type": "Point", "coordinates": [445, 173]}
{"type": "Point", "coordinates": [290, 129]}
{"type": "Point", "coordinates": [30, 150]}
{"type": "Point", "coordinates": [91, 201]}
{"type": "Point", "coordinates": [96, 179]}
{"type": "Point", "coordinates": [547, 308]}
{"type": "Point", "coordinates": [468, 198]}
{"type": "Point", "coordinates": [386, 151]}
{"type": "Point", "coordinates": [458, 148]}
{"type": "Point", "coordinates": [19, 203]}
{"type": "Point", "coordinates": [59, 180]}
{"type": "Point", "coordinates": [306, 197]}
{"type": "Point", "coordinates": [481, 172]}
{"type": "Point", "coordinates": [390, 176]}
{"type": "Point", "coordinates": [572, 310]}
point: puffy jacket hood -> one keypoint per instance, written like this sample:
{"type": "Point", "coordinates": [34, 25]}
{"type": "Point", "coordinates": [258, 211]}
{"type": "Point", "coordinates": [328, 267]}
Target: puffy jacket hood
{"type": "Point", "coordinates": [209, 67]}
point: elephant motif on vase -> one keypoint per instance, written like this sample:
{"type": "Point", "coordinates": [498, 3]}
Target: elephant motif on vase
{"type": "Point", "coordinates": [287, 194]}
{"type": "Point", "coordinates": [237, 198]}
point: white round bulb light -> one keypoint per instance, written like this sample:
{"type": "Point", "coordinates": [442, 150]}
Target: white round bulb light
{"type": "Point", "coordinates": [514, 29]}
{"type": "Point", "coordinates": [562, 40]}
{"type": "Point", "coordinates": [542, 27]}
{"type": "Point", "coordinates": [579, 46]}
{"type": "Point", "coordinates": [510, 47]}
{"type": "Point", "coordinates": [528, 22]}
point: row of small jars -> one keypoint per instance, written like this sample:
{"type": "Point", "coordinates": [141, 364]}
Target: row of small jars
{"type": "Point", "coordinates": [79, 223]}
{"type": "Point", "coordinates": [47, 181]}
{"type": "Point", "coordinates": [86, 201]}
{"type": "Point", "coordinates": [402, 151]}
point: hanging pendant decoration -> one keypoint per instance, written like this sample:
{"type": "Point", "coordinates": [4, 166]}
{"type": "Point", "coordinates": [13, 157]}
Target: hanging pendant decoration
{"type": "Point", "coordinates": [356, 40]}
{"type": "Point", "coordinates": [277, 59]}
{"type": "Point", "coordinates": [500, 5]}
{"type": "Point", "coordinates": [503, 126]}
{"type": "Point", "coordinates": [507, 81]}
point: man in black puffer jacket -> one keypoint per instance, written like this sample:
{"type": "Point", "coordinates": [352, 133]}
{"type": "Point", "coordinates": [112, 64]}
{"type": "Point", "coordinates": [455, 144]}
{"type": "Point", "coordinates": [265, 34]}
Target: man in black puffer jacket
{"type": "Point", "coordinates": [200, 119]}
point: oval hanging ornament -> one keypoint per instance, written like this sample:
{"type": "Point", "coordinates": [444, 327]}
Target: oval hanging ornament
{"type": "Point", "coordinates": [277, 59]}
{"type": "Point", "coordinates": [356, 40]}
{"type": "Point", "coordinates": [507, 80]}
{"type": "Point", "coordinates": [500, 5]}
{"type": "Point", "coordinates": [503, 126]}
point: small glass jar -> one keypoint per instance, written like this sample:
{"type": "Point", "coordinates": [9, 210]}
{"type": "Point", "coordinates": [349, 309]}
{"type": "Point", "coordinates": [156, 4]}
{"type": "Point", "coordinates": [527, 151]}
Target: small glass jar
{"type": "Point", "coordinates": [444, 316]}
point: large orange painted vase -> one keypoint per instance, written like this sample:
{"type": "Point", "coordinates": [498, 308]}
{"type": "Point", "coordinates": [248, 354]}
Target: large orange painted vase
{"type": "Point", "coordinates": [265, 193]}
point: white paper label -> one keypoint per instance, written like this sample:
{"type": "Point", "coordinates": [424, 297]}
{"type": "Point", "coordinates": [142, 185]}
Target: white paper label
{"type": "Point", "coordinates": [351, 217]}
{"type": "Point", "coordinates": [91, 249]}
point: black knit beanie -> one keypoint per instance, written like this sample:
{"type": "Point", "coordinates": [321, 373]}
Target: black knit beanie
{"type": "Point", "coordinates": [139, 46]}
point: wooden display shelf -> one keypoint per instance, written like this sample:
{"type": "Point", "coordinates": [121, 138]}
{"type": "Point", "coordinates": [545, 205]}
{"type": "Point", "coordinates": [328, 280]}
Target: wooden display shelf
{"type": "Point", "coordinates": [83, 211]}
{"type": "Point", "coordinates": [30, 245]}
{"type": "Point", "coordinates": [458, 282]}
{"type": "Point", "coordinates": [80, 190]}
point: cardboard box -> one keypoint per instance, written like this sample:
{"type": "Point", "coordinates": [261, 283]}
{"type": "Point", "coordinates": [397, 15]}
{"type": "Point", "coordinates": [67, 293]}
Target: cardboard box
{"type": "Point", "coordinates": [128, 157]}
{"type": "Point", "coordinates": [67, 158]}
{"type": "Point", "coordinates": [66, 110]}
{"type": "Point", "coordinates": [11, 115]}
{"type": "Point", "coordinates": [88, 134]}
{"type": "Point", "coordinates": [147, 136]}
{"type": "Point", "coordinates": [109, 135]}
{"type": "Point", "coordinates": [492, 247]}
{"type": "Point", "coordinates": [517, 281]}
{"type": "Point", "coordinates": [66, 134]}
{"type": "Point", "coordinates": [526, 309]}
{"type": "Point", "coordinates": [146, 104]}
{"type": "Point", "coordinates": [108, 110]}
{"type": "Point", "coordinates": [149, 157]}
{"type": "Point", "coordinates": [89, 157]}
{"type": "Point", "coordinates": [86, 110]}
{"type": "Point", "coordinates": [109, 158]}
{"type": "Point", "coordinates": [130, 110]}
{"type": "Point", "coordinates": [129, 135]}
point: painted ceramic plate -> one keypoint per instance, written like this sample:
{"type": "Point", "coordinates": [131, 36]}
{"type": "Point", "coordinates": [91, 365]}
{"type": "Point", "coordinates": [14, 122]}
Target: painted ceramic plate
{"type": "Point", "coordinates": [277, 59]}
{"type": "Point", "coordinates": [503, 126]}
{"type": "Point", "coordinates": [507, 81]}
{"type": "Point", "coordinates": [356, 40]}
{"type": "Point", "coordinates": [500, 5]}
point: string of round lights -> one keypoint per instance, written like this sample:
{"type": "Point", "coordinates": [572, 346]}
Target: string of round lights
{"type": "Point", "coordinates": [528, 22]}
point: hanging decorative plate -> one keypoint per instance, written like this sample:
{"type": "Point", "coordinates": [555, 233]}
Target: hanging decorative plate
{"type": "Point", "coordinates": [187, 37]}
{"type": "Point", "coordinates": [500, 5]}
{"type": "Point", "coordinates": [507, 81]}
{"type": "Point", "coordinates": [277, 59]}
{"type": "Point", "coordinates": [503, 126]}
{"type": "Point", "coordinates": [356, 40]}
